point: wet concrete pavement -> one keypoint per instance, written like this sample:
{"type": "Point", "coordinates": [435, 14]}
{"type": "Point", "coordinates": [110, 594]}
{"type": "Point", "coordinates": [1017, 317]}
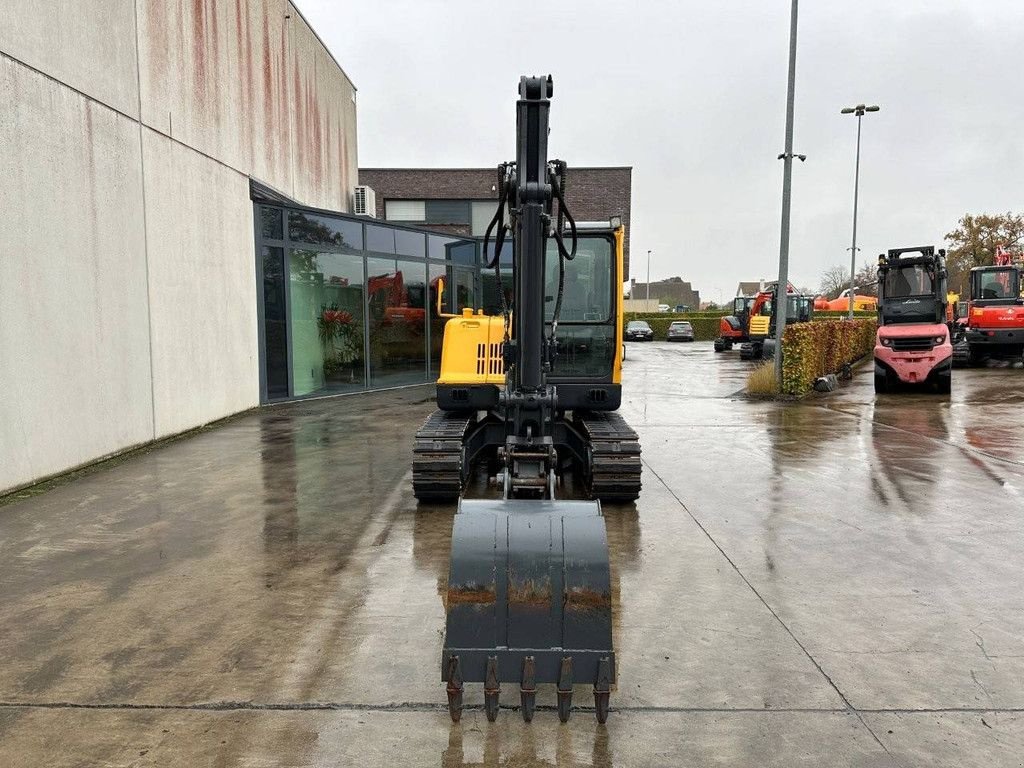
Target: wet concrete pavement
{"type": "Point", "coordinates": [835, 582]}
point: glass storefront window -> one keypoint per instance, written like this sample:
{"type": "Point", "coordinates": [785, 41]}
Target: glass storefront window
{"type": "Point", "coordinates": [275, 322]}
{"type": "Point", "coordinates": [348, 305]}
{"type": "Point", "coordinates": [380, 239]}
{"type": "Point", "coordinates": [396, 295]}
{"type": "Point", "coordinates": [326, 322]}
{"type": "Point", "coordinates": [409, 243]}
{"type": "Point", "coordinates": [438, 270]}
{"type": "Point", "coordinates": [324, 230]}
{"type": "Point", "coordinates": [271, 223]}
{"type": "Point", "coordinates": [437, 245]}
{"type": "Point", "coordinates": [464, 289]}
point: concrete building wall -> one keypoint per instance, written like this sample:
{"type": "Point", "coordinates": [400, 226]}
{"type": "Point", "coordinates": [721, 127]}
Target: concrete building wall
{"type": "Point", "coordinates": [74, 328]}
{"type": "Point", "coordinates": [128, 134]}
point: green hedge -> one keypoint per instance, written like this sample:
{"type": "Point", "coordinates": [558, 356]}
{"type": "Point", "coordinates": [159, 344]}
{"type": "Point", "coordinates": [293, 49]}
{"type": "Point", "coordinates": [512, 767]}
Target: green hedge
{"type": "Point", "coordinates": [810, 350]}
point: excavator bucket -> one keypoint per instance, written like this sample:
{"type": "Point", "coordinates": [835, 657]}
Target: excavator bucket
{"type": "Point", "coordinates": [529, 601]}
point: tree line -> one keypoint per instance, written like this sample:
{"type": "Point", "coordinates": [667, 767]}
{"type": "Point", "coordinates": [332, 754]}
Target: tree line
{"type": "Point", "coordinates": [971, 243]}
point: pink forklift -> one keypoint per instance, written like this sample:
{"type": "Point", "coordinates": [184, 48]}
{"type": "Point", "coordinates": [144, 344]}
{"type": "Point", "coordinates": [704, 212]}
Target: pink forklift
{"type": "Point", "coordinates": [913, 345]}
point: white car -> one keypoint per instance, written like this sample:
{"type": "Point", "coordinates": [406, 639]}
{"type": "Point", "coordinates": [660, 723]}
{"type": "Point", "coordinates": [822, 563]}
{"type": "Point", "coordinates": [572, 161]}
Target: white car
{"type": "Point", "coordinates": [664, 307]}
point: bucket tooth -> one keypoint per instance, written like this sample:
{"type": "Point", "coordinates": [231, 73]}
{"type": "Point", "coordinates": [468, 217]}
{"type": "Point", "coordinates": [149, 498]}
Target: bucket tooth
{"type": "Point", "coordinates": [565, 690]}
{"type": "Point", "coordinates": [454, 688]}
{"type": "Point", "coordinates": [528, 688]}
{"type": "Point", "coordinates": [492, 689]}
{"type": "Point", "coordinates": [602, 689]}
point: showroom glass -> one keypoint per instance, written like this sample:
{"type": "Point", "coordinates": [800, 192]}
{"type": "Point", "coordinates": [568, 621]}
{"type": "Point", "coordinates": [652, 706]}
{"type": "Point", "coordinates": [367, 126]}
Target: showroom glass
{"type": "Point", "coordinates": [395, 298]}
{"type": "Point", "coordinates": [326, 322]}
{"type": "Point", "coordinates": [464, 289]}
{"type": "Point", "coordinates": [324, 230]}
{"type": "Point", "coordinates": [275, 323]}
{"type": "Point", "coordinates": [438, 271]}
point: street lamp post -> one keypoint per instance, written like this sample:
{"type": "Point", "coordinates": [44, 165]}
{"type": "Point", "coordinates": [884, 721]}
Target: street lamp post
{"type": "Point", "coordinates": [859, 111]}
{"type": "Point", "coordinates": [782, 288]}
{"type": "Point", "coordinates": [648, 281]}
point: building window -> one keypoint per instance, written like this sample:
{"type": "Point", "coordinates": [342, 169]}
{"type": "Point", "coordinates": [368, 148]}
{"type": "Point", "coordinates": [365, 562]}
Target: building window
{"type": "Point", "coordinates": [447, 212]}
{"type": "Point", "coordinates": [405, 210]}
{"type": "Point", "coordinates": [482, 212]}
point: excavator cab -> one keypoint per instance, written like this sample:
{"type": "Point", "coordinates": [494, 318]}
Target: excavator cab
{"type": "Point", "coordinates": [530, 394]}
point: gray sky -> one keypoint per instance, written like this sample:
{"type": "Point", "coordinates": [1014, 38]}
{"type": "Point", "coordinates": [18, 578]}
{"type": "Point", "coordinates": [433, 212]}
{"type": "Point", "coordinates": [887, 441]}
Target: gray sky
{"type": "Point", "coordinates": [692, 95]}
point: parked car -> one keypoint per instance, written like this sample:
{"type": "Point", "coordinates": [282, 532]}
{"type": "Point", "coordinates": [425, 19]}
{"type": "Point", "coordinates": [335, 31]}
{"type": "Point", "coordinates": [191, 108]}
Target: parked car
{"type": "Point", "coordinates": [664, 307]}
{"type": "Point", "coordinates": [679, 330]}
{"type": "Point", "coordinates": [638, 330]}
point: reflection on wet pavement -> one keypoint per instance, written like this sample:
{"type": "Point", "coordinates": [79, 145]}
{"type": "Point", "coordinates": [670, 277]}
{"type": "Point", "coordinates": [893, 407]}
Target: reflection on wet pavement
{"type": "Point", "coordinates": [831, 581]}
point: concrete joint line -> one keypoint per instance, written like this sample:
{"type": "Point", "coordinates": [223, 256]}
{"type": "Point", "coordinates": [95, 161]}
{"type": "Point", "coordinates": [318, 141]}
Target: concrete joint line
{"type": "Point", "coordinates": [422, 706]}
{"type": "Point", "coordinates": [846, 702]}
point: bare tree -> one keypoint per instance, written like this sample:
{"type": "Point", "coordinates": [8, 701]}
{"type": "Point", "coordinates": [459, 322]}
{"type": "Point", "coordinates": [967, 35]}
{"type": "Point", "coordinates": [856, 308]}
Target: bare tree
{"type": "Point", "coordinates": [865, 281]}
{"type": "Point", "coordinates": [833, 281]}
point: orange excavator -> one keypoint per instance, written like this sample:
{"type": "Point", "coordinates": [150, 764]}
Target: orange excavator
{"type": "Point", "coordinates": [995, 312]}
{"type": "Point", "coordinates": [736, 328]}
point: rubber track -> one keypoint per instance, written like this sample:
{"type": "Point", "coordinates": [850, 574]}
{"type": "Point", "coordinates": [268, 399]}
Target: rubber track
{"type": "Point", "coordinates": [615, 451]}
{"type": "Point", "coordinates": [437, 463]}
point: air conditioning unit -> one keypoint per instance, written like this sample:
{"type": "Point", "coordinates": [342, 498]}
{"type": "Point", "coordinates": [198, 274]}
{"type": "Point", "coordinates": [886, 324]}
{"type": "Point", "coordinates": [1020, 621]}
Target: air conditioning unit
{"type": "Point", "coordinates": [364, 201]}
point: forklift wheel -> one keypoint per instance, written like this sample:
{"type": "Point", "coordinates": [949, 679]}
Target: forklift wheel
{"type": "Point", "coordinates": [944, 383]}
{"type": "Point", "coordinates": [881, 383]}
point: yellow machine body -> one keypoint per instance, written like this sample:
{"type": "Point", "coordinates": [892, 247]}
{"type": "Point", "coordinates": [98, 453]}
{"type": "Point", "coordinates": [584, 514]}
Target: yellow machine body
{"type": "Point", "coordinates": [759, 326]}
{"type": "Point", "coordinates": [472, 350]}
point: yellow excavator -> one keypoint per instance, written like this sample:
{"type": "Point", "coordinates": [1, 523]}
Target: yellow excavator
{"type": "Point", "coordinates": [531, 396]}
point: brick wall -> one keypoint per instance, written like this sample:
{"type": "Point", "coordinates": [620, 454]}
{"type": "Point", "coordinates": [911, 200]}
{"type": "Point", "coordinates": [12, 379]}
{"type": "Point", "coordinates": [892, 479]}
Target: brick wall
{"type": "Point", "coordinates": [594, 194]}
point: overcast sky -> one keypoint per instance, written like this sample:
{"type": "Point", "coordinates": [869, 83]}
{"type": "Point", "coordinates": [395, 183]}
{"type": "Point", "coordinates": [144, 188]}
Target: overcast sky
{"type": "Point", "coordinates": [692, 95]}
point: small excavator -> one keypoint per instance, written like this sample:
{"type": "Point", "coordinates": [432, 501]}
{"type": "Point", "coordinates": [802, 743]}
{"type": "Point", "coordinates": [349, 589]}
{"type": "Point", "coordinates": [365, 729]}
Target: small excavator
{"type": "Point", "coordinates": [531, 395]}
{"type": "Point", "coordinates": [993, 324]}
{"type": "Point", "coordinates": [754, 313]}
{"type": "Point", "coordinates": [751, 324]}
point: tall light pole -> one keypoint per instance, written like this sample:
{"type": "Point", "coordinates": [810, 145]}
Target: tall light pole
{"type": "Point", "coordinates": [782, 289]}
{"type": "Point", "coordinates": [648, 280]}
{"type": "Point", "coordinates": [859, 111]}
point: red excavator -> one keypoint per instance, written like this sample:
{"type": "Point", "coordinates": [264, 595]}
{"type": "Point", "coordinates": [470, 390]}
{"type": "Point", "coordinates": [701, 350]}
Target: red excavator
{"type": "Point", "coordinates": [751, 324]}
{"type": "Point", "coordinates": [735, 328]}
{"type": "Point", "coordinates": [995, 313]}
